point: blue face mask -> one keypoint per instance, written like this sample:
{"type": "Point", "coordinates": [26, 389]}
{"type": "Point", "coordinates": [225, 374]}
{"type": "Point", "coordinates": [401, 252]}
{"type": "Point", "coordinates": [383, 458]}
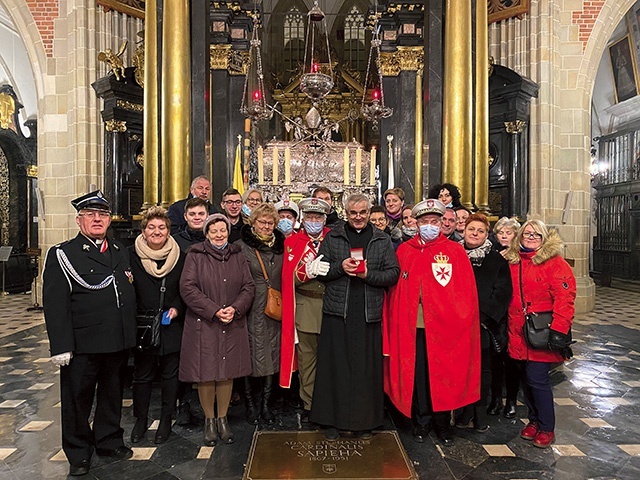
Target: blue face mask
{"type": "Point", "coordinates": [449, 205]}
{"type": "Point", "coordinates": [429, 232]}
{"type": "Point", "coordinates": [313, 228]}
{"type": "Point", "coordinates": [285, 226]}
{"type": "Point", "coordinates": [246, 210]}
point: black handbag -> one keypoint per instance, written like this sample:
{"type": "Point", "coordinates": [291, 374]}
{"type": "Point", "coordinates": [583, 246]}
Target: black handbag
{"type": "Point", "coordinates": [536, 325]}
{"type": "Point", "coordinates": [148, 330]}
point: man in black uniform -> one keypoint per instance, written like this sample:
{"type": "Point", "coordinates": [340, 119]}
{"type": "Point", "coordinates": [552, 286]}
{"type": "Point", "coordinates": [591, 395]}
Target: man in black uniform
{"type": "Point", "coordinates": [90, 312]}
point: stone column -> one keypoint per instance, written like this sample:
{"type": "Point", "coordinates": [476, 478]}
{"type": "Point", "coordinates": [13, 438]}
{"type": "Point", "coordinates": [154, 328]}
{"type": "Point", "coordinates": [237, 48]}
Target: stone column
{"type": "Point", "coordinates": [516, 179]}
{"type": "Point", "coordinates": [457, 124]}
{"type": "Point", "coordinates": [176, 101]}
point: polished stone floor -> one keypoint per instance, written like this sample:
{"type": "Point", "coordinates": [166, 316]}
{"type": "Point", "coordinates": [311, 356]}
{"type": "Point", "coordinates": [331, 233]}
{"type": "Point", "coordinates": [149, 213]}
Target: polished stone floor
{"type": "Point", "coordinates": [597, 398]}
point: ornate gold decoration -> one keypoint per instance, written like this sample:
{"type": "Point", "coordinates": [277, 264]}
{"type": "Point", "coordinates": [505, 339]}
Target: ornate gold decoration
{"type": "Point", "coordinates": [134, 107]}
{"type": "Point", "coordinates": [492, 62]}
{"type": "Point", "coordinates": [32, 171]}
{"type": "Point", "coordinates": [223, 57]}
{"type": "Point", "coordinates": [137, 61]}
{"type": "Point", "coordinates": [134, 8]}
{"type": "Point", "coordinates": [114, 60]}
{"type": "Point", "coordinates": [502, 9]}
{"type": "Point", "coordinates": [515, 127]}
{"type": "Point", "coordinates": [116, 126]}
{"type": "Point", "coordinates": [404, 59]}
{"type": "Point", "coordinates": [140, 159]}
{"type": "Point", "coordinates": [7, 109]}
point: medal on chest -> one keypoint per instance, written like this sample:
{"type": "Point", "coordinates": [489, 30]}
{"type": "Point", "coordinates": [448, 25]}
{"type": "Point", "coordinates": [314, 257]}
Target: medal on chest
{"type": "Point", "coordinates": [442, 269]}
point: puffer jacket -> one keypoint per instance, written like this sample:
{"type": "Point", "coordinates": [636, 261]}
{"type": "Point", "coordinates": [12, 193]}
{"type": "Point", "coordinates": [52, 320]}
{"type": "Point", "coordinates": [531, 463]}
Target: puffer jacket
{"type": "Point", "coordinates": [382, 271]}
{"type": "Point", "coordinates": [548, 284]}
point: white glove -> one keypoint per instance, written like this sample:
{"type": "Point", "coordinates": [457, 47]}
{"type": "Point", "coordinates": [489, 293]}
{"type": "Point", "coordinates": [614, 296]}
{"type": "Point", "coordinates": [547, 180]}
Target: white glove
{"type": "Point", "coordinates": [317, 267]}
{"type": "Point", "coordinates": [62, 359]}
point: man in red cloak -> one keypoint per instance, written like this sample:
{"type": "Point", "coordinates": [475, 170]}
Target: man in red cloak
{"type": "Point", "coordinates": [431, 328]}
{"type": "Point", "coordinates": [302, 299]}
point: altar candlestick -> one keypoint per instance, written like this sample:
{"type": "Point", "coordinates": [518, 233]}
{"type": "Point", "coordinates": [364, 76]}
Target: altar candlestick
{"type": "Point", "coordinates": [372, 167]}
{"type": "Point", "coordinates": [260, 165]}
{"type": "Point", "coordinates": [275, 165]}
{"type": "Point", "coordinates": [287, 166]}
{"type": "Point", "coordinates": [358, 166]}
{"type": "Point", "coordinates": [346, 165]}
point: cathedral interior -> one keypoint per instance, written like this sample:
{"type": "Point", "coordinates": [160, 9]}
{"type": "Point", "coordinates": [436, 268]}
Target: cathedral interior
{"type": "Point", "coordinates": [531, 107]}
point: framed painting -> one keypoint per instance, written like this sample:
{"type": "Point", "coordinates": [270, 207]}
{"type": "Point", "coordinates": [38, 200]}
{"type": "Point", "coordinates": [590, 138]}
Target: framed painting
{"type": "Point", "coordinates": [502, 9]}
{"type": "Point", "coordinates": [623, 67]}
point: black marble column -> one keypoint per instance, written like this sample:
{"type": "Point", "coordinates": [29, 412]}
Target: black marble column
{"type": "Point", "coordinates": [433, 89]}
{"type": "Point", "coordinates": [199, 86]}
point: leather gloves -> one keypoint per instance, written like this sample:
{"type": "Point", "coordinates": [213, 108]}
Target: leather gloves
{"type": "Point", "coordinates": [317, 267]}
{"type": "Point", "coordinates": [560, 342]}
{"type": "Point", "coordinates": [62, 359]}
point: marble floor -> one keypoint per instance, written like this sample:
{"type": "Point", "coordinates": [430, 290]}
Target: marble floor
{"type": "Point", "coordinates": [597, 398]}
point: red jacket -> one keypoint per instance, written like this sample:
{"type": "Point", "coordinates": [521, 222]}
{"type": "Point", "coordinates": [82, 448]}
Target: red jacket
{"type": "Point", "coordinates": [441, 273]}
{"type": "Point", "coordinates": [548, 284]}
{"type": "Point", "coordinates": [298, 249]}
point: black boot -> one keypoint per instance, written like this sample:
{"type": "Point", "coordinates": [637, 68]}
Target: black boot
{"type": "Point", "coordinates": [253, 414]}
{"type": "Point", "coordinates": [210, 432]}
{"type": "Point", "coordinates": [139, 429]}
{"type": "Point", "coordinates": [495, 406]}
{"type": "Point", "coordinates": [141, 400]}
{"type": "Point", "coordinates": [480, 419]}
{"type": "Point", "coordinates": [510, 409]}
{"type": "Point", "coordinates": [164, 429]}
{"type": "Point", "coordinates": [224, 430]}
{"type": "Point", "coordinates": [267, 414]}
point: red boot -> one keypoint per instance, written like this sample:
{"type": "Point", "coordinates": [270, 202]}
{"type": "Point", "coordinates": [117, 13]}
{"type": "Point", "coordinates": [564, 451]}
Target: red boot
{"type": "Point", "coordinates": [543, 439]}
{"type": "Point", "coordinates": [530, 431]}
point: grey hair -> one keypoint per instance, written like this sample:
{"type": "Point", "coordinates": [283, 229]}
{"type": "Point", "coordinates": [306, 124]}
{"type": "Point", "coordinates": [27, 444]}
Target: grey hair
{"type": "Point", "coordinates": [195, 180]}
{"type": "Point", "coordinates": [508, 223]}
{"type": "Point", "coordinates": [357, 198]}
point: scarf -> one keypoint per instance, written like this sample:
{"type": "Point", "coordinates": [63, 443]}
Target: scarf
{"type": "Point", "coordinates": [170, 252]}
{"type": "Point", "coordinates": [268, 240]}
{"type": "Point", "coordinates": [396, 216]}
{"type": "Point", "coordinates": [476, 255]}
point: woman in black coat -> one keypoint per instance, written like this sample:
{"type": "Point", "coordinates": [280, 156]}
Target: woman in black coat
{"type": "Point", "coordinates": [493, 281]}
{"type": "Point", "coordinates": [156, 256]}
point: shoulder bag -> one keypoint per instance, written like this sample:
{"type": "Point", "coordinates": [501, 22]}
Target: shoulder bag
{"type": "Point", "coordinates": [536, 325]}
{"type": "Point", "coordinates": [148, 331]}
{"type": "Point", "coordinates": [273, 307]}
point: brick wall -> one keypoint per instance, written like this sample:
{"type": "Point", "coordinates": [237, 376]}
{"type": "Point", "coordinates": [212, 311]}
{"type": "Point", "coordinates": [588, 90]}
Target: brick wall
{"type": "Point", "coordinates": [586, 19]}
{"type": "Point", "coordinates": [44, 13]}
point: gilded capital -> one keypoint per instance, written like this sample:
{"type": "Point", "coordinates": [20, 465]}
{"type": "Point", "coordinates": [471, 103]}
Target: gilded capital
{"type": "Point", "coordinates": [219, 56]}
{"type": "Point", "coordinates": [515, 127]}
{"type": "Point", "coordinates": [403, 59]}
{"type": "Point", "coordinates": [133, 107]}
{"type": "Point", "coordinates": [116, 126]}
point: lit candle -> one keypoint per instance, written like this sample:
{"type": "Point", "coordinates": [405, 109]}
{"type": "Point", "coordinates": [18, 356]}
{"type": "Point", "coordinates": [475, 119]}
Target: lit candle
{"type": "Point", "coordinates": [358, 166]}
{"type": "Point", "coordinates": [260, 165]}
{"type": "Point", "coordinates": [346, 165]}
{"type": "Point", "coordinates": [287, 166]}
{"type": "Point", "coordinates": [275, 165]}
{"type": "Point", "coordinates": [372, 167]}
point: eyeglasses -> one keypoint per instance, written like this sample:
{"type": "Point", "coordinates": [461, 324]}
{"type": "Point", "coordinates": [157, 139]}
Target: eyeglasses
{"type": "Point", "coordinates": [354, 214]}
{"type": "Point", "coordinates": [253, 200]}
{"type": "Point", "coordinates": [233, 202]}
{"type": "Point", "coordinates": [531, 235]}
{"type": "Point", "coordinates": [95, 214]}
{"type": "Point", "coordinates": [264, 223]}
{"type": "Point", "coordinates": [378, 220]}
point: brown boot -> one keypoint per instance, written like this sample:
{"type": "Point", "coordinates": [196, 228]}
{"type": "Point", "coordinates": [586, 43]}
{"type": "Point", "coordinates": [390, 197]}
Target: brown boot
{"type": "Point", "coordinates": [225, 431]}
{"type": "Point", "coordinates": [210, 432]}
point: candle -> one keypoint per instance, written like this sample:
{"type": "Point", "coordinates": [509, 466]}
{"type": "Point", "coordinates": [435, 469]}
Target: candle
{"type": "Point", "coordinates": [287, 166]}
{"type": "Point", "coordinates": [346, 165]}
{"type": "Point", "coordinates": [275, 165]}
{"type": "Point", "coordinates": [358, 166]}
{"type": "Point", "coordinates": [372, 167]}
{"type": "Point", "coordinates": [260, 165]}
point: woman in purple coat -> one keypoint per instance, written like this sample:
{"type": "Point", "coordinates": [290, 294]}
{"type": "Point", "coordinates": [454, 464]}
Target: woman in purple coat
{"type": "Point", "coordinates": [218, 289]}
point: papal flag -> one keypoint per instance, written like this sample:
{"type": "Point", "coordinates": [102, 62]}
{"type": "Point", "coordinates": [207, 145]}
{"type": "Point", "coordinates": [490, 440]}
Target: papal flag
{"type": "Point", "coordinates": [238, 177]}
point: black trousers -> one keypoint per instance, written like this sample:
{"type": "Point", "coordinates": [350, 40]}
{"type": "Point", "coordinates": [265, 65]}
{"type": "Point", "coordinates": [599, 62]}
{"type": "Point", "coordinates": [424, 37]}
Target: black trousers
{"type": "Point", "coordinates": [99, 375]}
{"type": "Point", "coordinates": [146, 365]}
{"type": "Point", "coordinates": [422, 413]}
{"type": "Point", "coordinates": [504, 371]}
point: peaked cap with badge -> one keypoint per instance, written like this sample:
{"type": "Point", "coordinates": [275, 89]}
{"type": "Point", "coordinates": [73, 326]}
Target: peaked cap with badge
{"type": "Point", "coordinates": [92, 201]}
{"type": "Point", "coordinates": [290, 205]}
{"type": "Point", "coordinates": [314, 205]}
{"type": "Point", "coordinates": [430, 205]}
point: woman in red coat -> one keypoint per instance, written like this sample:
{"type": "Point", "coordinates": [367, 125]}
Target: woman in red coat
{"type": "Point", "coordinates": [542, 282]}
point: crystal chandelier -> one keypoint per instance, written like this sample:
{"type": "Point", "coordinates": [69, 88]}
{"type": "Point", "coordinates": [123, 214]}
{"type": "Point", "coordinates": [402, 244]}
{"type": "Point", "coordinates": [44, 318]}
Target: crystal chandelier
{"type": "Point", "coordinates": [314, 83]}
{"type": "Point", "coordinates": [254, 101]}
{"type": "Point", "coordinates": [374, 110]}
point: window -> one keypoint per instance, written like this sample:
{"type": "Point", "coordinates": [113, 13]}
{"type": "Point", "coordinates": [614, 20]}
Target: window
{"type": "Point", "coordinates": [294, 25]}
{"type": "Point", "coordinates": [354, 43]}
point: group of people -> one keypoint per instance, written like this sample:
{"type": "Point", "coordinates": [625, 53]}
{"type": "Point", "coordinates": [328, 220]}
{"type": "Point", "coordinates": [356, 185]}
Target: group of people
{"type": "Point", "coordinates": [424, 303]}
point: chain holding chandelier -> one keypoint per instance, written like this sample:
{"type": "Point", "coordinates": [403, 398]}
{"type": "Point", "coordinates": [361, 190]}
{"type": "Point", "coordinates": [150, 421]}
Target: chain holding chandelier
{"type": "Point", "coordinates": [254, 99]}
{"type": "Point", "coordinates": [375, 109]}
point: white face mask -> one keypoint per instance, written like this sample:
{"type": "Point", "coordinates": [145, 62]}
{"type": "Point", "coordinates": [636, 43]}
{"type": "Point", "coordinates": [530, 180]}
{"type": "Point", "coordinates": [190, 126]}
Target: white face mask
{"type": "Point", "coordinates": [285, 225]}
{"type": "Point", "coordinates": [429, 232]}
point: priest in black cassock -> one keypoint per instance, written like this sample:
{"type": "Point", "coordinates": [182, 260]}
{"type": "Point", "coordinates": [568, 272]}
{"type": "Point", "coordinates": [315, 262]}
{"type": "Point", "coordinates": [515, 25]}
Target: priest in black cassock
{"type": "Point", "coordinates": [348, 393]}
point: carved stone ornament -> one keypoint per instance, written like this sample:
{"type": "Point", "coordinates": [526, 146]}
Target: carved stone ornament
{"type": "Point", "coordinates": [404, 59]}
{"type": "Point", "coordinates": [116, 126]}
{"type": "Point", "coordinates": [133, 107]}
{"type": "Point", "coordinates": [515, 126]}
{"type": "Point", "coordinates": [137, 60]}
{"type": "Point", "coordinates": [7, 109]}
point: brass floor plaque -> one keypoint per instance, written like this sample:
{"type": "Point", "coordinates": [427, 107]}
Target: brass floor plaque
{"type": "Point", "coordinates": [308, 456]}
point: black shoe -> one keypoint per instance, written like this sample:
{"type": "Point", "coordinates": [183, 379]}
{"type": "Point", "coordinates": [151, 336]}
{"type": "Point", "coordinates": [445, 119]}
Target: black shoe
{"type": "Point", "coordinates": [495, 406]}
{"type": "Point", "coordinates": [224, 430]}
{"type": "Point", "coordinates": [183, 416]}
{"type": "Point", "coordinates": [331, 433]}
{"type": "Point", "coordinates": [420, 434]}
{"type": "Point", "coordinates": [510, 409]}
{"type": "Point", "coordinates": [236, 399]}
{"type": "Point", "coordinates": [304, 416]}
{"type": "Point", "coordinates": [210, 432]}
{"type": "Point", "coordinates": [445, 436]}
{"type": "Point", "coordinates": [139, 429]}
{"type": "Point", "coordinates": [365, 434]}
{"type": "Point", "coordinates": [164, 429]}
{"type": "Point", "coordinates": [120, 453]}
{"type": "Point", "coordinates": [81, 468]}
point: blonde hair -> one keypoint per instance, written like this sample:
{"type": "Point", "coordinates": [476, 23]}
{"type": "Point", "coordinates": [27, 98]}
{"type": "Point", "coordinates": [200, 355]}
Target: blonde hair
{"type": "Point", "coordinates": [264, 210]}
{"type": "Point", "coordinates": [538, 227]}
{"type": "Point", "coordinates": [506, 223]}
{"type": "Point", "coordinates": [246, 194]}
{"type": "Point", "coordinates": [152, 213]}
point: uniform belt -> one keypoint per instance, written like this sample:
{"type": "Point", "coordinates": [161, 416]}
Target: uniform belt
{"type": "Point", "coordinates": [310, 293]}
